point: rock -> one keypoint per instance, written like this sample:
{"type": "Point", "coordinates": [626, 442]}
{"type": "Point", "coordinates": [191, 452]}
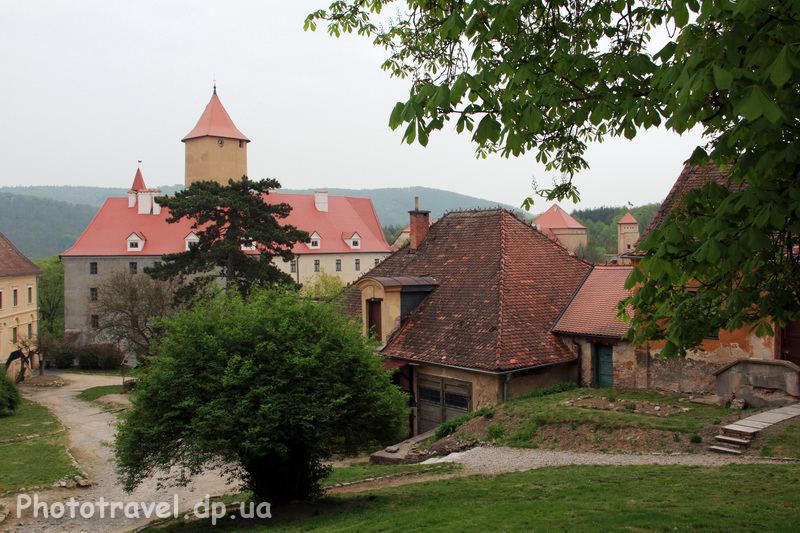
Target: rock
{"type": "Point", "coordinates": [83, 482]}
{"type": "Point", "coordinates": [62, 483]}
{"type": "Point", "coordinates": [657, 408]}
{"type": "Point", "coordinates": [738, 404]}
{"type": "Point", "coordinates": [393, 449]}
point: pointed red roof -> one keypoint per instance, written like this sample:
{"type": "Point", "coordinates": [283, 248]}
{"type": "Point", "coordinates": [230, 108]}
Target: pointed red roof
{"type": "Point", "coordinates": [628, 219]}
{"type": "Point", "coordinates": [557, 218]}
{"type": "Point", "coordinates": [138, 182]}
{"type": "Point", "coordinates": [215, 122]}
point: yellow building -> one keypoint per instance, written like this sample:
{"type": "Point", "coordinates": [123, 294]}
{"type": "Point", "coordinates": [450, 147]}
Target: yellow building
{"type": "Point", "coordinates": [19, 312]}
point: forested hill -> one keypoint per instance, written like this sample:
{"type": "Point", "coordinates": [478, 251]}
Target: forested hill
{"type": "Point", "coordinates": [41, 227]}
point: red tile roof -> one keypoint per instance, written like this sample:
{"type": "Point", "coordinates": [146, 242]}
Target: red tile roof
{"type": "Point", "coordinates": [215, 122]}
{"type": "Point", "coordinates": [13, 262]}
{"type": "Point", "coordinates": [690, 178]}
{"type": "Point", "coordinates": [107, 233]}
{"type": "Point", "coordinates": [501, 285]}
{"type": "Point", "coordinates": [138, 182]}
{"type": "Point", "coordinates": [557, 218]}
{"type": "Point", "coordinates": [628, 219]}
{"type": "Point", "coordinates": [592, 312]}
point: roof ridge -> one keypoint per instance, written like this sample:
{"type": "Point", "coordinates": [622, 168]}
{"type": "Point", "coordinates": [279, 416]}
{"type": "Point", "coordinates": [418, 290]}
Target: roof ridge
{"type": "Point", "coordinates": [499, 346]}
{"type": "Point", "coordinates": [36, 269]}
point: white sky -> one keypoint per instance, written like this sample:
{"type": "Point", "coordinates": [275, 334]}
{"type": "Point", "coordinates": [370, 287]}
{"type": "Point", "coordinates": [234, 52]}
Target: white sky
{"type": "Point", "coordinates": [91, 86]}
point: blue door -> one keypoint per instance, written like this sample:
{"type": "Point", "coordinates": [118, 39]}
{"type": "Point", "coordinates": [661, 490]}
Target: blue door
{"type": "Point", "coordinates": [603, 365]}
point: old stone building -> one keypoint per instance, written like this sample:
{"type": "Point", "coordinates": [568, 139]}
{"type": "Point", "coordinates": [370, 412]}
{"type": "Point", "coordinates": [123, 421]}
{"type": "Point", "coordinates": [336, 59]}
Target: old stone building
{"type": "Point", "coordinates": [561, 226]}
{"type": "Point", "coordinates": [132, 233]}
{"type": "Point", "coordinates": [465, 311]}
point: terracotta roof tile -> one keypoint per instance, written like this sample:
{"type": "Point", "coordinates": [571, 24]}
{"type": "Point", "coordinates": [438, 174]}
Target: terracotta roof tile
{"type": "Point", "coordinates": [628, 219]}
{"type": "Point", "coordinates": [215, 122]}
{"type": "Point", "coordinates": [502, 284]}
{"type": "Point", "coordinates": [690, 178]}
{"type": "Point", "coordinates": [138, 182]}
{"type": "Point", "coordinates": [557, 218]}
{"type": "Point", "coordinates": [13, 262]}
{"type": "Point", "coordinates": [592, 312]}
{"type": "Point", "coordinates": [107, 233]}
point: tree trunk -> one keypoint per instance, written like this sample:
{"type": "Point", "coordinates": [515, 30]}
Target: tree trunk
{"type": "Point", "coordinates": [229, 272]}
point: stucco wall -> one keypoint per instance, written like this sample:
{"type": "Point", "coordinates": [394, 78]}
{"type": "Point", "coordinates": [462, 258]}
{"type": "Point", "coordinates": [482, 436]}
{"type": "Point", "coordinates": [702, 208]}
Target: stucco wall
{"type": "Point", "coordinates": [539, 378]}
{"type": "Point", "coordinates": [78, 281]}
{"type": "Point", "coordinates": [572, 239]}
{"type": "Point", "coordinates": [206, 160]}
{"type": "Point", "coordinates": [25, 313]}
{"type": "Point", "coordinates": [327, 262]}
{"type": "Point", "coordinates": [627, 234]}
{"type": "Point", "coordinates": [390, 306]}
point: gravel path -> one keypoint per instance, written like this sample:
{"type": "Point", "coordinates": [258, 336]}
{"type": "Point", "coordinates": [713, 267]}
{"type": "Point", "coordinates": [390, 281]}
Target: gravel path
{"type": "Point", "coordinates": [497, 460]}
{"type": "Point", "coordinates": [89, 430]}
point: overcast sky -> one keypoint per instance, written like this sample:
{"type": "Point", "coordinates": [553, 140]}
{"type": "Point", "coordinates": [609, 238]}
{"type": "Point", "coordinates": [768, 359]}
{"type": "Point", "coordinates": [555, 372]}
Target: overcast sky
{"type": "Point", "coordinates": [90, 87]}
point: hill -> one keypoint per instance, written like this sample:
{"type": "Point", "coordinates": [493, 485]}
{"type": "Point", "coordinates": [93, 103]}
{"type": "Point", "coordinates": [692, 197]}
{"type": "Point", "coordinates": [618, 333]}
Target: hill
{"type": "Point", "coordinates": [93, 196]}
{"type": "Point", "coordinates": [41, 227]}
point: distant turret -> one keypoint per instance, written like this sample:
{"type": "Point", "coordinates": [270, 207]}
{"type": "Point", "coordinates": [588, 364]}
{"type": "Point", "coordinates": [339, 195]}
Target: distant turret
{"type": "Point", "coordinates": [627, 234]}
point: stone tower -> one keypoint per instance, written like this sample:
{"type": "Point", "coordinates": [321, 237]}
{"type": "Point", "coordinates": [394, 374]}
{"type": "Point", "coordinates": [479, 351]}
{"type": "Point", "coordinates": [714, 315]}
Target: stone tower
{"type": "Point", "coordinates": [215, 149]}
{"type": "Point", "coordinates": [627, 234]}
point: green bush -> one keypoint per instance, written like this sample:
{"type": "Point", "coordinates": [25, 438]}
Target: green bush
{"type": "Point", "coordinates": [9, 395]}
{"type": "Point", "coordinates": [87, 358]}
{"type": "Point", "coordinates": [695, 439]}
{"type": "Point", "coordinates": [64, 355]}
{"type": "Point", "coordinates": [109, 357]}
{"type": "Point", "coordinates": [555, 389]}
{"type": "Point", "coordinates": [496, 431]}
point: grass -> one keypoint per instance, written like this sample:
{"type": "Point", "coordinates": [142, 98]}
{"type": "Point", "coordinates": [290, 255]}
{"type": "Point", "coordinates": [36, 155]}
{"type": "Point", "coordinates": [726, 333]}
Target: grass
{"type": "Point", "coordinates": [129, 372]}
{"type": "Point", "coordinates": [39, 461]}
{"type": "Point", "coordinates": [361, 471]}
{"type": "Point", "coordinates": [546, 410]}
{"type": "Point", "coordinates": [575, 498]}
{"type": "Point", "coordinates": [96, 392]}
{"type": "Point", "coordinates": [784, 443]}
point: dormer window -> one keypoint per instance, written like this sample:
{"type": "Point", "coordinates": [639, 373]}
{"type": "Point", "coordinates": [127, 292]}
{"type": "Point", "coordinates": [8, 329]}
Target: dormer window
{"type": "Point", "coordinates": [249, 247]}
{"type": "Point", "coordinates": [191, 239]}
{"type": "Point", "coordinates": [353, 240]}
{"type": "Point", "coordinates": [315, 242]}
{"type": "Point", "coordinates": [135, 242]}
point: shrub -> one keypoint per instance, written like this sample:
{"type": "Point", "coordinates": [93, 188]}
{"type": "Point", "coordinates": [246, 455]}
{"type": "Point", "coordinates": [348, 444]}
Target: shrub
{"type": "Point", "coordinates": [64, 356]}
{"type": "Point", "coordinates": [496, 431]}
{"type": "Point", "coordinates": [109, 357]}
{"type": "Point", "coordinates": [695, 439]}
{"type": "Point", "coordinates": [87, 358]}
{"type": "Point", "coordinates": [9, 395]}
{"type": "Point", "coordinates": [453, 424]}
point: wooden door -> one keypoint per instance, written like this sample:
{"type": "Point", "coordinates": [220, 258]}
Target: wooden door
{"type": "Point", "coordinates": [440, 400]}
{"type": "Point", "coordinates": [791, 342]}
{"type": "Point", "coordinates": [603, 365]}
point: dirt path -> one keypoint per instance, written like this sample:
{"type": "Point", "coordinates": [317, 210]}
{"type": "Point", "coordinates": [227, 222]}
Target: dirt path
{"type": "Point", "coordinates": [89, 429]}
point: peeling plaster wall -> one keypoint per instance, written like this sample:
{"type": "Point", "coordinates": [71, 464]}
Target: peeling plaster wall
{"type": "Point", "coordinates": [539, 378]}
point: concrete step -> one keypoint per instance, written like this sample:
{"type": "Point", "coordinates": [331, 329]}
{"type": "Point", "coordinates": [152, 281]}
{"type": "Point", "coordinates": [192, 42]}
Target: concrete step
{"type": "Point", "coordinates": [740, 430]}
{"type": "Point", "coordinates": [733, 440]}
{"type": "Point", "coordinates": [723, 449]}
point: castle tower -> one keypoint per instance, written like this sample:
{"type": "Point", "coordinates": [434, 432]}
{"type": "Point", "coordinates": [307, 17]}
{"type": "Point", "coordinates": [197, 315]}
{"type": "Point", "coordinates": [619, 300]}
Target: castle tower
{"type": "Point", "coordinates": [215, 149]}
{"type": "Point", "coordinates": [627, 234]}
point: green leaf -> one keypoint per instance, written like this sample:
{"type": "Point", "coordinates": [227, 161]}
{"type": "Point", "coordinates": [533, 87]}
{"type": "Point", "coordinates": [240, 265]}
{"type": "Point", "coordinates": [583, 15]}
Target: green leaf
{"type": "Point", "coordinates": [756, 103]}
{"type": "Point", "coordinates": [722, 78]}
{"type": "Point", "coordinates": [781, 69]}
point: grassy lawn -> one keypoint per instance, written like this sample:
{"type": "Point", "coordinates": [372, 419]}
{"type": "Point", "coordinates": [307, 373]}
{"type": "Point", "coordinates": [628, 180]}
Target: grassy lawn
{"type": "Point", "coordinates": [129, 372]}
{"type": "Point", "coordinates": [786, 443]}
{"type": "Point", "coordinates": [96, 392]}
{"type": "Point", "coordinates": [360, 471]}
{"type": "Point", "coordinates": [39, 461]}
{"type": "Point", "coordinates": [576, 498]}
{"type": "Point", "coordinates": [546, 410]}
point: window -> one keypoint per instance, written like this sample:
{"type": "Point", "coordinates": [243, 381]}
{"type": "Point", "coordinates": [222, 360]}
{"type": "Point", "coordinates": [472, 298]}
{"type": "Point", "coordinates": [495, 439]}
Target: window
{"type": "Point", "coordinates": [453, 399]}
{"type": "Point", "coordinates": [241, 143]}
{"type": "Point", "coordinates": [1, 300]}
{"type": "Point", "coordinates": [338, 265]}
{"type": "Point", "coordinates": [15, 297]}
{"type": "Point", "coordinates": [316, 265]}
{"type": "Point", "coordinates": [377, 262]}
{"type": "Point", "coordinates": [315, 240]}
{"type": "Point", "coordinates": [30, 295]}
{"type": "Point", "coordinates": [93, 294]}
{"type": "Point", "coordinates": [95, 321]}
{"type": "Point", "coordinates": [92, 268]}
{"type": "Point", "coordinates": [315, 244]}
{"type": "Point", "coordinates": [133, 245]}
{"type": "Point", "coordinates": [358, 264]}
{"type": "Point", "coordinates": [14, 335]}
{"type": "Point", "coordinates": [430, 395]}
{"type": "Point", "coordinates": [293, 266]}
{"type": "Point", "coordinates": [30, 330]}
{"type": "Point", "coordinates": [134, 266]}
{"type": "Point", "coordinates": [629, 247]}
{"type": "Point", "coordinates": [356, 243]}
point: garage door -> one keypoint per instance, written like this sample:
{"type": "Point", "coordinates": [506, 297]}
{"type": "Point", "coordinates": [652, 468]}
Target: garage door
{"type": "Point", "coordinates": [440, 400]}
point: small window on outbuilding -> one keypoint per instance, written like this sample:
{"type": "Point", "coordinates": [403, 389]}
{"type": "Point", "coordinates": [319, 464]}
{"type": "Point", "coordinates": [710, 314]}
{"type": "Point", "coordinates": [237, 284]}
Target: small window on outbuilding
{"type": "Point", "coordinates": [338, 265]}
{"type": "Point", "coordinates": [92, 268]}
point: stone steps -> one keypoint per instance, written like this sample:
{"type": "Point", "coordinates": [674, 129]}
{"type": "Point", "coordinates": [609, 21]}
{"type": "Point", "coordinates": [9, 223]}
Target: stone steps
{"type": "Point", "coordinates": [723, 449]}
{"type": "Point", "coordinates": [740, 433]}
{"type": "Point", "coordinates": [733, 440]}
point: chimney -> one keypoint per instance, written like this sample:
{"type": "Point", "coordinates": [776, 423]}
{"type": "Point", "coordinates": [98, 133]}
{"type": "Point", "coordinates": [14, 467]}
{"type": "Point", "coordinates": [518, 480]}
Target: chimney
{"type": "Point", "coordinates": [420, 222]}
{"type": "Point", "coordinates": [321, 200]}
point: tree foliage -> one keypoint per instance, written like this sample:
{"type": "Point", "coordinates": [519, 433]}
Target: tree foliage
{"type": "Point", "coordinates": [267, 387]}
{"type": "Point", "coordinates": [322, 286]}
{"type": "Point", "coordinates": [551, 76]}
{"type": "Point", "coordinates": [51, 296]}
{"type": "Point", "coordinates": [239, 235]}
{"type": "Point", "coordinates": [128, 307]}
